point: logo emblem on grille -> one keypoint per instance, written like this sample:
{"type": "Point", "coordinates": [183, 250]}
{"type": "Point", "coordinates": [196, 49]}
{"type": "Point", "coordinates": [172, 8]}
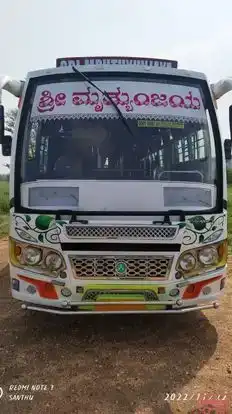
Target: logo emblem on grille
{"type": "Point", "coordinates": [120, 268]}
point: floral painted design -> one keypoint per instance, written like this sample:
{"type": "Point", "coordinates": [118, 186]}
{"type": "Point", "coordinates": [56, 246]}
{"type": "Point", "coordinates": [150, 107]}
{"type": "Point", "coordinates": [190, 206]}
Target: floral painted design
{"type": "Point", "coordinates": [45, 229]}
{"type": "Point", "coordinates": [41, 229]}
{"type": "Point", "coordinates": [181, 225]}
{"type": "Point", "coordinates": [203, 230]}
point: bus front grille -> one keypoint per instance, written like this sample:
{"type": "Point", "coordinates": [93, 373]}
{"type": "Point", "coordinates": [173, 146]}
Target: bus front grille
{"type": "Point", "coordinates": [121, 232]}
{"type": "Point", "coordinates": [120, 267]}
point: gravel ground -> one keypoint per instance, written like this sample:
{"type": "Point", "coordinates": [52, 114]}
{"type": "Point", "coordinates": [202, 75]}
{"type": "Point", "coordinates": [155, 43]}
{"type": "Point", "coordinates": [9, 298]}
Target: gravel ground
{"type": "Point", "coordinates": [112, 364]}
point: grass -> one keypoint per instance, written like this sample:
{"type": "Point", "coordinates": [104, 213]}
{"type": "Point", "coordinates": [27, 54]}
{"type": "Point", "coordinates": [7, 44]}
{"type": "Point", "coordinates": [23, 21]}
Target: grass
{"type": "Point", "coordinates": [230, 216]}
{"type": "Point", "coordinates": [4, 210]}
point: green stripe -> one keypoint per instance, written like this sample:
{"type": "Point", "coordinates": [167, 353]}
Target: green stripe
{"type": "Point", "coordinates": [121, 287]}
{"type": "Point", "coordinates": [120, 297]}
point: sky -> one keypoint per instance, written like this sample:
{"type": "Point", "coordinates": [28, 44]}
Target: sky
{"type": "Point", "coordinates": [196, 33]}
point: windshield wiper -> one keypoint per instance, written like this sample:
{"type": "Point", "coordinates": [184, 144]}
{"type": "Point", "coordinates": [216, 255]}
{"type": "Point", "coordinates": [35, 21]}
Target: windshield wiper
{"type": "Point", "coordinates": [168, 214]}
{"type": "Point", "coordinates": [107, 96]}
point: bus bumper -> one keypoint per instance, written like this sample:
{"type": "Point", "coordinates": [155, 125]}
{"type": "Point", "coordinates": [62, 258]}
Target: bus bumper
{"type": "Point", "coordinates": [57, 311]}
{"type": "Point", "coordinates": [114, 299]}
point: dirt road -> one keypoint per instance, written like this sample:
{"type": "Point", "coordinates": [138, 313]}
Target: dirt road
{"type": "Point", "coordinates": [112, 364]}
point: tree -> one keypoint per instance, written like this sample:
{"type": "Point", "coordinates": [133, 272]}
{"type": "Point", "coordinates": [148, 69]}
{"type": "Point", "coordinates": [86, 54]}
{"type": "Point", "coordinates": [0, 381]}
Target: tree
{"type": "Point", "coordinates": [10, 119]}
{"type": "Point", "coordinates": [5, 177]}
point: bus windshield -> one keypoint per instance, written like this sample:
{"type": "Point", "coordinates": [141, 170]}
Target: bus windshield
{"type": "Point", "coordinates": [74, 133]}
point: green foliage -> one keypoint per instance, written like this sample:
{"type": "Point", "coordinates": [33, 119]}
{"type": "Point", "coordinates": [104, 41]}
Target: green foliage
{"type": "Point", "coordinates": [4, 207]}
{"type": "Point", "coordinates": [10, 119]}
{"type": "Point", "coordinates": [230, 216]}
{"type": "Point", "coordinates": [229, 176]}
{"type": "Point", "coordinates": [4, 177]}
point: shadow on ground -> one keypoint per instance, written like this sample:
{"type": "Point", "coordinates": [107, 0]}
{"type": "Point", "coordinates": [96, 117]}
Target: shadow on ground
{"type": "Point", "coordinates": [102, 364]}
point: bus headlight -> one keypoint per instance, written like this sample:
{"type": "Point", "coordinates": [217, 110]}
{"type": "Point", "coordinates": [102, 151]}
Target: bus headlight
{"type": "Point", "coordinates": [32, 256]}
{"type": "Point", "coordinates": [208, 256]}
{"type": "Point", "coordinates": [53, 261]}
{"type": "Point", "coordinates": [187, 262]}
{"type": "Point", "coordinates": [40, 259]}
{"type": "Point", "coordinates": [197, 261]}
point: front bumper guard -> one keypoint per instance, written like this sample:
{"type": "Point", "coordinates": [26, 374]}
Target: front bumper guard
{"type": "Point", "coordinates": [68, 311]}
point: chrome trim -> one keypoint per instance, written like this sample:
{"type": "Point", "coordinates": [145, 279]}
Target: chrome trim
{"type": "Point", "coordinates": [24, 306]}
{"type": "Point", "coordinates": [122, 232]}
{"type": "Point", "coordinates": [123, 302]}
{"type": "Point", "coordinates": [58, 283]}
{"type": "Point", "coordinates": [138, 267]}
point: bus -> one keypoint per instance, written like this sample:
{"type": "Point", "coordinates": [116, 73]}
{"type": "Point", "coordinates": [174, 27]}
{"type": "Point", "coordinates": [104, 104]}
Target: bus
{"type": "Point", "coordinates": [118, 192]}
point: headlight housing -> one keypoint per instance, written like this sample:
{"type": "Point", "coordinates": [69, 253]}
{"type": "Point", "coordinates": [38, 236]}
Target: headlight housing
{"type": "Point", "coordinates": [187, 262]}
{"type": "Point", "coordinates": [53, 261]}
{"type": "Point", "coordinates": [208, 255]}
{"type": "Point", "coordinates": [40, 259]}
{"type": "Point", "coordinates": [32, 255]}
{"type": "Point", "coordinates": [197, 261]}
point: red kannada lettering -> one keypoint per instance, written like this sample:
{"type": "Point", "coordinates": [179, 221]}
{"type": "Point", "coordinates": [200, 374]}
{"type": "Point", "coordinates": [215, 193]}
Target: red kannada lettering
{"type": "Point", "coordinates": [81, 98]}
{"type": "Point", "coordinates": [60, 99]}
{"type": "Point", "coordinates": [48, 103]}
{"type": "Point", "coordinates": [194, 102]}
{"type": "Point", "coordinates": [98, 102]}
{"type": "Point", "coordinates": [141, 99]}
{"type": "Point", "coordinates": [175, 101]}
{"type": "Point", "coordinates": [159, 100]}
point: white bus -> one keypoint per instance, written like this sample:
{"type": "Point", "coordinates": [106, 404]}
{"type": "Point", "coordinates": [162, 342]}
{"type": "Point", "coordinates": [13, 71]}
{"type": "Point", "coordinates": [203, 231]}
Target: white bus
{"type": "Point", "coordinates": [118, 193]}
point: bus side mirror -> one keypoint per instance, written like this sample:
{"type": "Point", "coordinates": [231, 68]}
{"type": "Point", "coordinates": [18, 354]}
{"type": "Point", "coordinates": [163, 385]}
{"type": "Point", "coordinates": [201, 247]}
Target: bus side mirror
{"type": "Point", "coordinates": [6, 145]}
{"type": "Point", "coordinates": [5, 140]}
{"type": "Point", "coordinates": [227, 142]}
{"type": "Point", "coordinates": [227, 148]}
{"type": "Point", "coordinates": [1, 123]}
{"type": "Point", "coordinates": [230, 120]}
